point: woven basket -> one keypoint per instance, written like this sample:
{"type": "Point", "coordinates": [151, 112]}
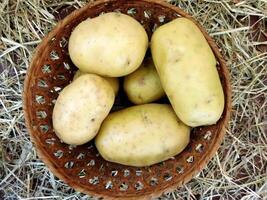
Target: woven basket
{"type": "Point", "coordinates": [82, 167]}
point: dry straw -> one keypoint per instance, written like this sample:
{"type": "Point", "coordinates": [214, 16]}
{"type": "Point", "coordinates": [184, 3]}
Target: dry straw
{"type": "Point", "coordinates": [238, 170]}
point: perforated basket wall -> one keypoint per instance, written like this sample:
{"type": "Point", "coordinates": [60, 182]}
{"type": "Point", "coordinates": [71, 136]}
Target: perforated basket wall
{"type": "Point", "coordinates": [82, 167]}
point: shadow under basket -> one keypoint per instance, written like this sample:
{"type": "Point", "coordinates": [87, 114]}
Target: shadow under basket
{"type": "Point", "coordinates": [82, 167]}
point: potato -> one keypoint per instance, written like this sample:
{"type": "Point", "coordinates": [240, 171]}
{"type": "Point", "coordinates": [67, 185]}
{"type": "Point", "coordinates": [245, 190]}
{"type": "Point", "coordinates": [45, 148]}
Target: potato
{"type": "Point", "coordinates": [80, 109]}
{"type": "Point", "coordinates": [143, 85]}
{"type": "Point", "coordinates": [112, 44]}
{"type": "Point", "coordinates": [142, 135]}
{"type": "Point", "coordinates": [187, 70]}
{"type": "Point", "coordinates": [114, 82]}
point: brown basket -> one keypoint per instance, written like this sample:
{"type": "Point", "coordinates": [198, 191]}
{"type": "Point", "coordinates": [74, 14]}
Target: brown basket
{"type": "Point", "coordinates": [82, 167]}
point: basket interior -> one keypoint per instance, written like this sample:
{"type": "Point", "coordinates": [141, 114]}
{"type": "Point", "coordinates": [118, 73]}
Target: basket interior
{"type": "Point", "coordinates": [82, 167]}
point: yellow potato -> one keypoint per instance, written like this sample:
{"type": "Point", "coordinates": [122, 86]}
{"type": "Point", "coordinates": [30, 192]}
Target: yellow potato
{"type": "Point", "coordinates": [114, 82]}
{"type": "Point", "coordinates": [187, 70]}
{"type": "Point", "coordinates": [142, 135]}
{"type": "Point", "coordinates": [80, 109]}
{"type": "Point", "coordinates": [143, 85]}
{"type": "Point", "coordinates": [112, 44]}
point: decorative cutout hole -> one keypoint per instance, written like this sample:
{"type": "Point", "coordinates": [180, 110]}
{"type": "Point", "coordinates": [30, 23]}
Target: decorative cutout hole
{"type": "Point", "coordinates": [154, 28]}
{"type": "Point", "coordinates": [46, 69]}
{"type": "Point", "coordinates": [41, 114]}
{"type": "Point", "coordinates": [118, 10]}
{"type": "Point", "coordinates": [123, 187]}
{"type": "Point", "coordinates": [200, 148]}
{"type": "Point", "coordinates": [81, 156]}
{"type": "Point", "coordinates": [167, 177]}
{"type": "Point", "coordinates": [108, 185]}
{"type": "Point", "coordinates": [102, 13]}
{"type": "Point", "coordinates": [190, 159]}
{"type": "Point", "coordinates": [44, 128]}
{"type": "Point", "coordinates": [94, 180]}
{"type": "Point", "coordinates": [40, 99]}
{"type": "Point", "coordinates": [57, 89]}
{"type": "Point", "coordinates": [91, 163]}
{"type": "Point", "coordinates": [114, 172]}
{"type": "Point", "coordinates": [153, 181]}
{"type": "Point", "coordinates": [82, 173]}
{"type": "Point", "coordinates": [50, 141]}
{"type": "Point", "coordinates": [126, 173]}
{"type": "Point", "coordinates": [63, 42]}
{"type": "Point", "coordinates": [54, 55]}
{"type": "Point", "coordinates": [69, 165]}
{"type": "Point", "coordinates": [58, 154]}
{"type": "Point", "coordinates": [147, 14]}
{"type": "Point", "coordinates": [139, 186]}
{"type": "Point", "coordinates": [61, 77]}
{"type": "Point", "coordinates": [138, 172]}
{"type": "Point", "coordinates": [148, 169]}
{"type": "Point", "coordinates": [180, 169]}
{"type": "Point", "coordinates": [54, 101]}
{"type": "Point", "coordinates": [72, 146]}
{"type": "Point", "coordinates": [131, 11]}
{"type": "Point", "coordinates": [42, 83]}
{"type": "Point", "coordinates": [177, 15]}
{"type": "Point", "coordinates": [66, 66]}
{"type": "Point", "coordinates": [207, 136]}
{"type": "Point", "coordinates": [161, 18]}
{"type": "Point", "coordinates": [101, 168]}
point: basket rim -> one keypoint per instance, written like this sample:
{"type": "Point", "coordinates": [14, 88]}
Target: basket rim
{"type": "Point", "coordinates": [190, 174]}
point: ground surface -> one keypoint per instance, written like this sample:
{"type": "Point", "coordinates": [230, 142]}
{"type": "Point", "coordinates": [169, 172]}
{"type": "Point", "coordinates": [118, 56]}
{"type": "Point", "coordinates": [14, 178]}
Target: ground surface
{"type": "Point", "coordinates": [238, 170]}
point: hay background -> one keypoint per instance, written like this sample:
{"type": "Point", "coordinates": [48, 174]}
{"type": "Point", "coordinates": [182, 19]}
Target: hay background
{"type": "Point", "coordinates": [239, 169]}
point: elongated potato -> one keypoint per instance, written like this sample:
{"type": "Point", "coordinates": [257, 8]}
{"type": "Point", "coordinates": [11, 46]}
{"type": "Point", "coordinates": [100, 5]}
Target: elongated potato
{"type": "Point", "coordinates": [143, 85]}
{"type": "Point", "coordinates": [114, 82]}
{"type": "Point", "coordinates": [187, 70]}
{"type": "Point", "coordinates": [112, 45]}
{"type": "Point", "coordinates": [142, 135]}
{"type": "Point", "coordinates": [81, 107]}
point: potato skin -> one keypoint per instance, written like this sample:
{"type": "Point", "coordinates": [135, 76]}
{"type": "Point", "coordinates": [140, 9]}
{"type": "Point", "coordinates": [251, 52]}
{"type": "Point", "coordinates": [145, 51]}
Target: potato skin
{"type": "Point", "coordinates": [142, 135]}
{"type": "Point", "coordinates": [143, 85]}
{"type": "Point", "coordinates": [187, 70]}
{"type": "Point", "coordinates": [81, 107]}
{"type": "Point", "coordinates": [114, 82]}
{"type": "Point", "coordinates": [112, 44]}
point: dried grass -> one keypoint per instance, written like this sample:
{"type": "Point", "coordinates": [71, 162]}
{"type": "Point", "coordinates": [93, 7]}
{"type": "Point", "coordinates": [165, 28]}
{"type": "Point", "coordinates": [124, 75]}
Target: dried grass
{"type": "Point", "coordinates": [239, 169]}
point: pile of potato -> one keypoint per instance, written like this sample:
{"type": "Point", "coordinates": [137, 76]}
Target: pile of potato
{"type": "Point", "coordinates": [182, 67]}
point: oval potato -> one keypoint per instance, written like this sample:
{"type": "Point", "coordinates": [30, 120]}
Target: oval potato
{"type": "Point", "coordinates": [114, 82]}
{"type": "Point", "coordinates": [112, 44]}
{"type": "Point", "coordinates": [143, 85]}
{"type": "Point", "coordinates": [80, 109]}
{"type": "Point", "coordinates": [142, 135]}
{"type": "Point", "coordinates": [187, 70]}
